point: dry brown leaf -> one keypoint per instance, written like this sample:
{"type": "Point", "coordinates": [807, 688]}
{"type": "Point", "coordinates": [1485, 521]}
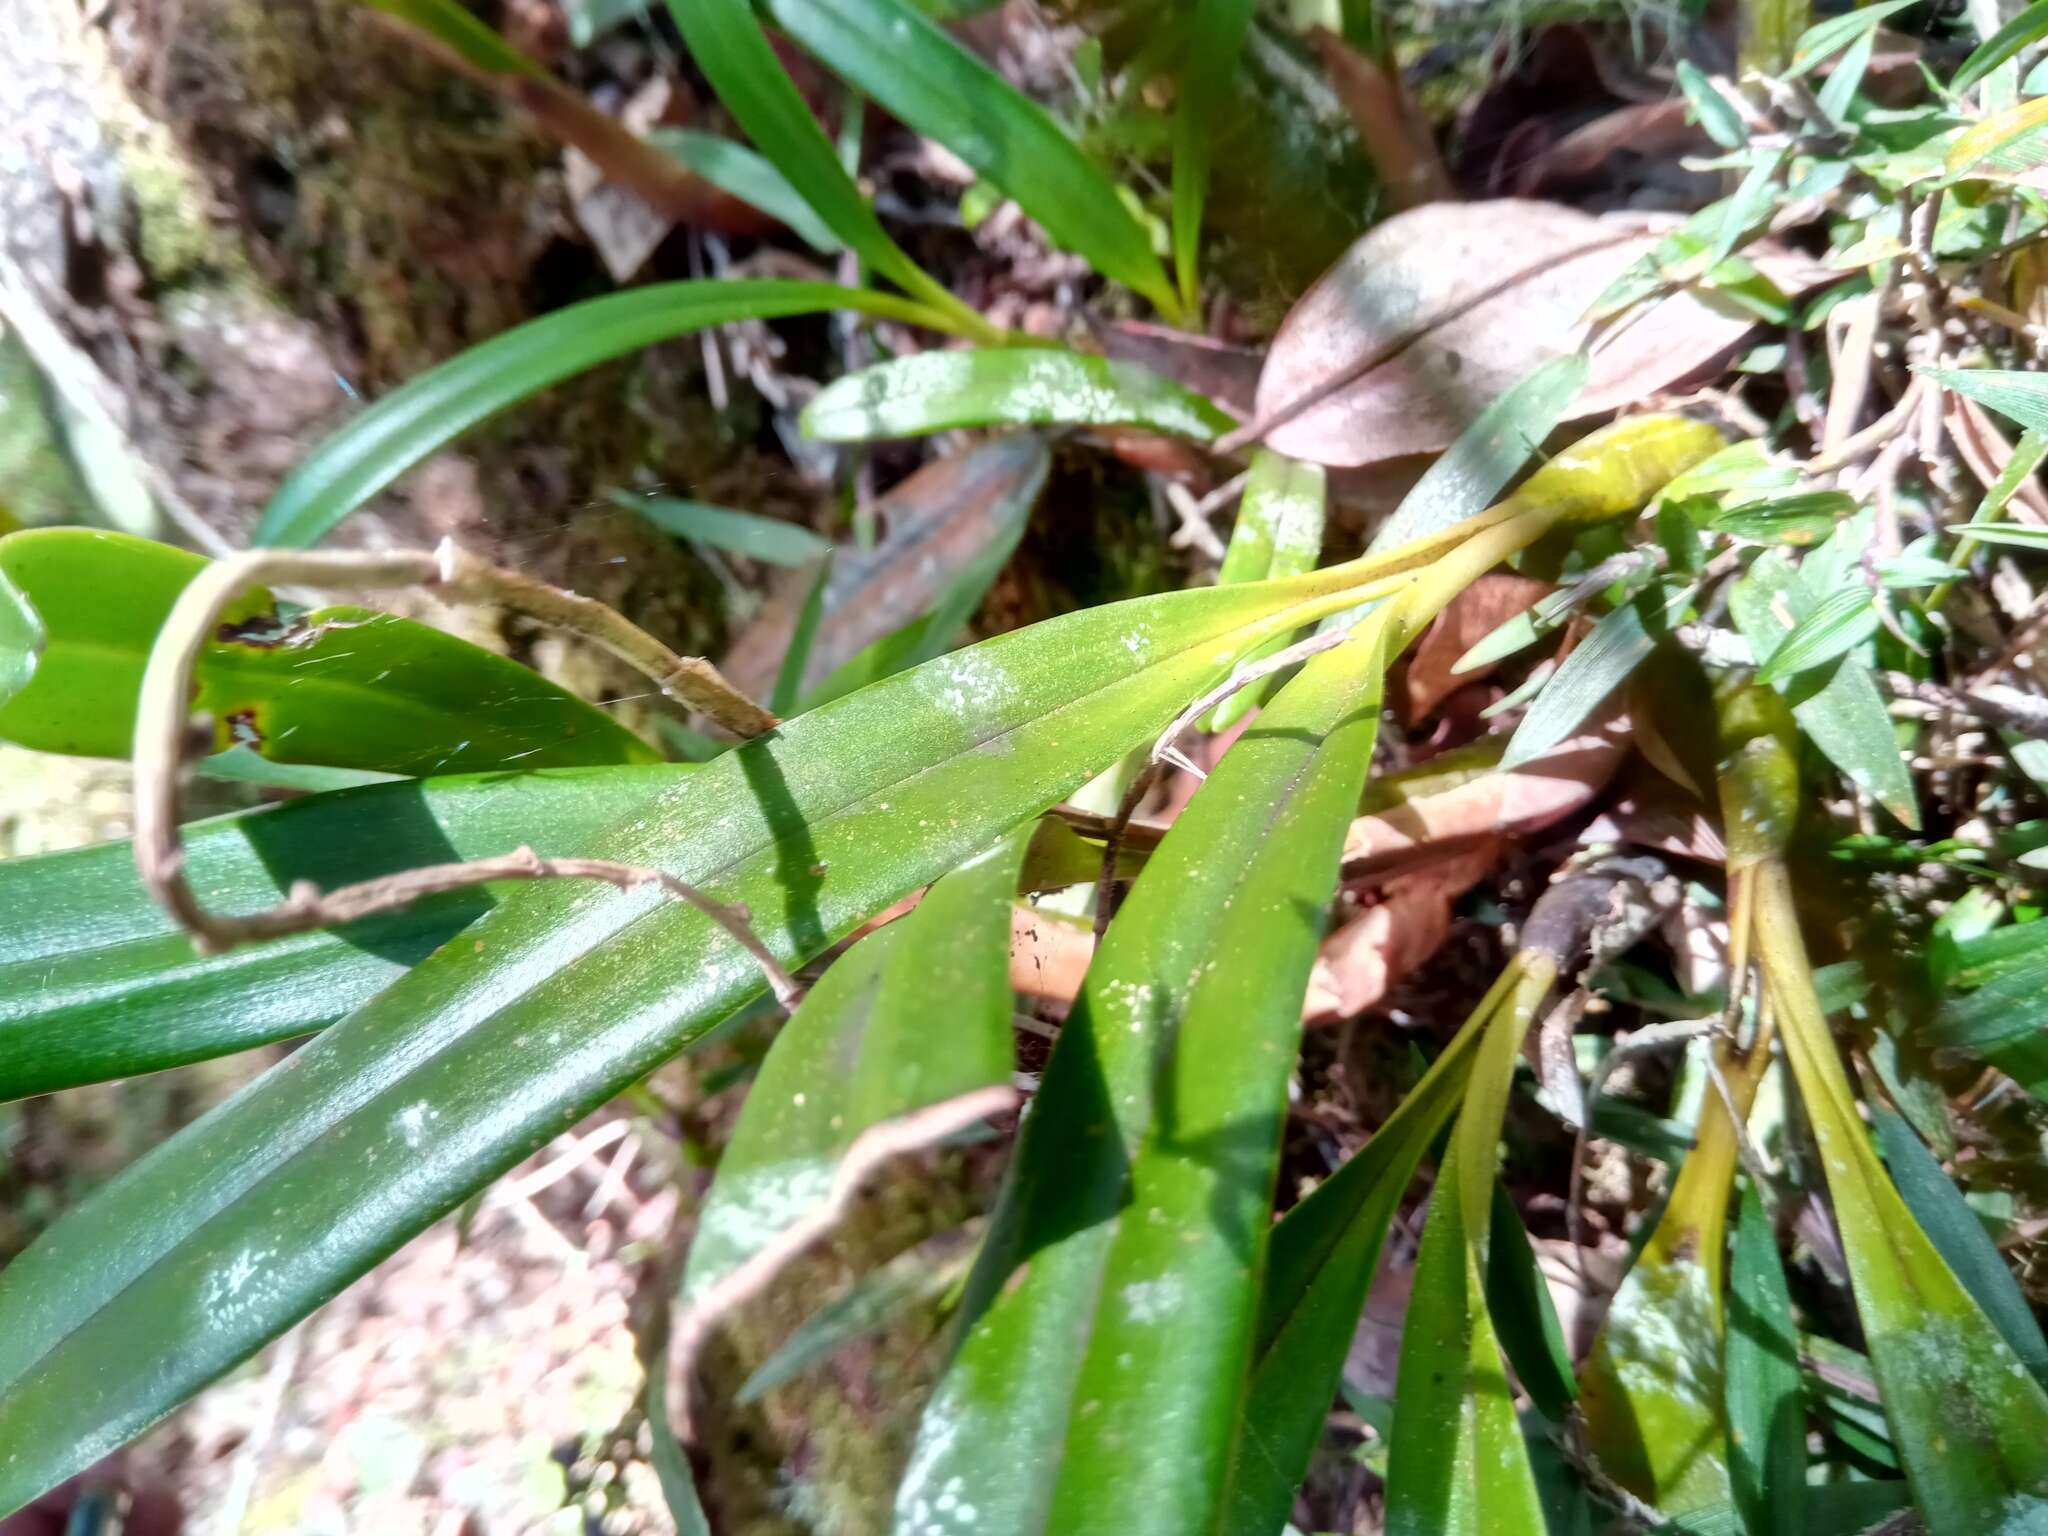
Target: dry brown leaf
{"type": "Point", "coordinates": [1396, 136]}
{"type": "Point", "coordinates": [1361, 960]}
{"type": "Point", "coordinates": [1643, 128]}
{"type": "Point", "coordinates": [1473, 615]}
{"type": "Point", "coordinates": [1986, 452]}
{"type": "Point", "coordinates": [933, 524]}
{"type": "Point", "coordinates": [1225, 371]}
{"type": "Point", "coordinates": [1438, 311]}
{"type": "Point", "coordinates": [1512, 803]}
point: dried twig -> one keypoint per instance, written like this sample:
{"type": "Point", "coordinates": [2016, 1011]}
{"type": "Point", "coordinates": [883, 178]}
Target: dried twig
{"type": "Point", "coordinates": [163, 715]}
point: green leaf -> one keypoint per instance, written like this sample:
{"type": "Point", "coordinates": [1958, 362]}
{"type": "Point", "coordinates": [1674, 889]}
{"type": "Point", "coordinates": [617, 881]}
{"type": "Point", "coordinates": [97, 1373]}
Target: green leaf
{"type": "Point", "coordinates": [1320, 1264]}
{"type": "Point", "coordinates": [789, 677]}
{"type": "Point", "coordinates": [894, 54]}
{"type": "Point", "coordinates": [1458, 1466]}
{"type": "Point", "coordinates": [2021, 395]}
{"type": "Point", "coordinates": [854, 1079]}
{"type": "Point", "coordinates": [728, 44]}
{"type": "Point", "coordinates": [1966, 1415]}
{"type": "Point", "coordinates": [1824, 40]}
{"type": "Point", "coordinates": [342, 687]}
{"type": "Point", "coordinates": [738, 171]}
{"type": "Point", "coordinates": [1838, 92]}
{"type": "Point", "coordinates": [563, 995]}
{"type": "Point", "coordinates": [2025, 29]}
{"type": "Point", "coordinates": [1279, 532]}
{"type": "Point", "coordinates": [426, 414]}
{"type": "Point", "coordinates": [1716, 115]}
{"type": "Point", "coordinates": [98, 982]}
{"type": "Point", "coordinates": [461, 34]}
{"type": "Point", "coordinates": [768, 539]}
{"type": "Point", "coordinates": [1612, 649]}
{"type": "Point", "coordinates": [2016, 535]}
{"type": "Point", "coordinates": [2005, 1019]}
{"type": "Point", "coordinates": [1123, 1265]}
{"type": "Point", "coordinates": [1013, 386]}
{"type": "Point", "coordinates": [1803, 519]}
{"type": "Point", "coordinates": [1474, 470]}
{"type": "Point", "coordinates": [1518, 1301]}
{"type": "Point", "coordinates": [1766, 1414]}
{"type": "Point", "coordinates": [1215, 38]}
{"type": "Point", "coordinates": [1960, 1238]}
{"type": "Point", "coordinates": [1838, 706]}
{"type": "Point", "coordinates": [1834, 626]}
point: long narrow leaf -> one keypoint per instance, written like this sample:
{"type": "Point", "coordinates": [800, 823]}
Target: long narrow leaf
{"type": "Point", "coordinates": [1215, 39]}
{"type": "Point", "coordinates": [2029, 26]}
{"type": "Point", "coordinates": [899, 57]}
{"type": "Point", "coordinates": [426, 414]}
{"type": "Point", "coordinates": [1279, 532]}
{"type": "Point", "coordinates": [1123, 1267]}
{"type": "Point", "coordinates": [1615, 646]}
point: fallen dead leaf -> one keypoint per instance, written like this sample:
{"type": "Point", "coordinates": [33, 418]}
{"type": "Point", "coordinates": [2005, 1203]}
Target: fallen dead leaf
{"type": "Point", "coordinates": [1396, 136]}
{"type": "Point", "coordinates": [1473, 615]}
{"type": "Point", "coordinates": [1642, 128]}
{"type": "Point", "coordinates": [934, 524]}
{"type": "Point", "coordinates": [1361, 960]}
{"type": "Point", "coordinates": [1422, 323]}
{"type": "Point", "coordinates": [1986, 452]}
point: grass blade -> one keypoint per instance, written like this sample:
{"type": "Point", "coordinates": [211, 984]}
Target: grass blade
{"type": "Point", "coordinates": [768, 539]}
{"type": "Point", "coordinates": [1602, 662]}
{"type": "Point", "coordinates": [736, 170]}
{"type": "Point", "coordinates": [2024, 30]}
{"type": "Point", "coordinates": [1834, 626]}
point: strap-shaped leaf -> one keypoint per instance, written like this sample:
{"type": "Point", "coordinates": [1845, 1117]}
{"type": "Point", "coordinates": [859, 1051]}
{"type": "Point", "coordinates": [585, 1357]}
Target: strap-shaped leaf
{"type": "Point", "coordinates": [564, 994]}
{"type": "Point", "coordinates": [345, 687]}
{"type": "Point", "coordinates": [1834, 626]}
{"type": "Point", "coordinates": [429, 412]}
{"type": "Point", "coordinates": [1766, 1415]}
{"type": "Point", "coordinates": [2011, 392]}
{"type": "Point", "coordinates": [98, 982]}
{"type": "Point", "coordinates": [1967, 1417]}
{"type": "Point", "coordinates": [1122, 1268]}
{"type": "Point", "coordinates": [904, 1041]}
{"type": "Point", "coordinates": [894, 53]}
{"type": "Point", "coordinates": [1008, 386]}
{"type": "Point", "coordinates": [1612, 649]}
{"type": "Point", "coordinates": [2029, 26]}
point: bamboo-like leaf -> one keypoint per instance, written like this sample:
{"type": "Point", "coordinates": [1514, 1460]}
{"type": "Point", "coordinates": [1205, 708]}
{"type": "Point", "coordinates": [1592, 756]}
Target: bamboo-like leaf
{"type": "Point", "coordinates": [1717, 117]}
{"type": "Point", "coordinates": [1834, 626]}
{"type": "Point", "coordinates": [343, 687]}
{"type": "Point", "coordinates": [1011, 386]}
{"type": "Point", "coordinates": [895, 54]}
{"type": "Point", "coordinates": [1825, 39]}
{"type": "Point", "coordinates": [859, 1076]}
{"type": "Point", "coordinates": [431, 411]}
{"type": "Point", "coordinates": [1613, 649]}
{"type": "Point", "coordinates": [1960, 1238]}
{"type": "Point", "coordinates": [1967, 1417]}
{"type": "Point", "coordinates": [2025, 29]}
{"type": "Point", "coordinates": [2021, 395]}
{"type": "Point", "coordinates": [2013, 535]}
{"type": "Point", "coordinates": [1214, 40]}
{"type": "Point", "coordinates": [1801, 519]}
{"type": "Point", "coordinates": [1766, 1416]}
{"type": "Point", "coordinates": [2003, 1019]}
{"type": "Point", "coordinates": [1837, 706]}
{"type": "Point", "coordinates": [1122, 1269]}
{"type": "Point", "coordinates": [97, 981]}
{"type": "Point", "coordinates": [1279, 532]}
{"type": "Point", "coordinates": [565, 993]}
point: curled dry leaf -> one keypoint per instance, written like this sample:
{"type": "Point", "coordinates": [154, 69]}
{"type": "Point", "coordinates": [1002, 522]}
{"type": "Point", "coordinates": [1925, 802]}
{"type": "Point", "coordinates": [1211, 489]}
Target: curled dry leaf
{"type": "Point", "coordinates": [1474, 614]}
{"type": "Point", "coordinates": [1441, 309]}
{"type": "Point", "coordinates": [1984, 449]}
